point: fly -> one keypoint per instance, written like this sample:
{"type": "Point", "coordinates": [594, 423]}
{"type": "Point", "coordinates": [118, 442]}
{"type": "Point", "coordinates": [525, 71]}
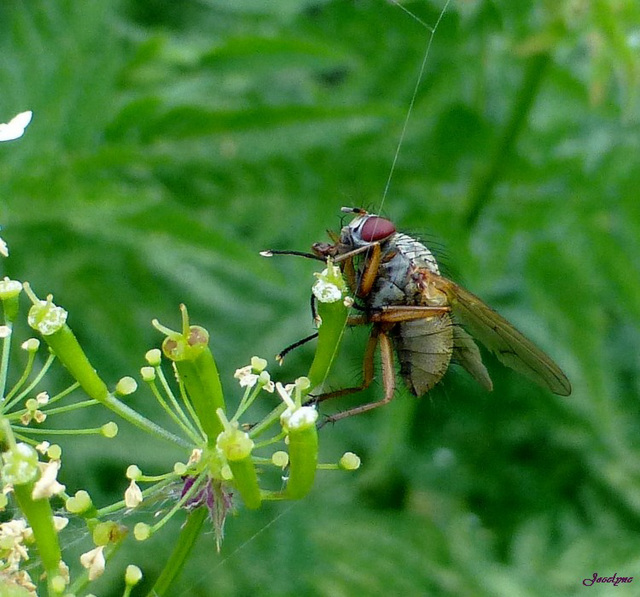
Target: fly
{"type": "Point", "coordinates": [418, 313]}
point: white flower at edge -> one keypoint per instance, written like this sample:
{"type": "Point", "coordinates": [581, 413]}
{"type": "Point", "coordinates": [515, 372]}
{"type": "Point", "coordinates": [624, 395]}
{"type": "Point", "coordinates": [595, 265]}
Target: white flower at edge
{"type": "Point", "coordinates": [133, 495]}
{"type": "Point", "coordinates": [94, 562]}
{"type": "Point", "coordinates": [47, 485]}
{"type": "Point", "coordinates": [14, 129]}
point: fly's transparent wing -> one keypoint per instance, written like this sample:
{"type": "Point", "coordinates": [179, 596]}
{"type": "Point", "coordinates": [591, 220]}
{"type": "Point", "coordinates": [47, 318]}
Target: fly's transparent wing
{"type": "Point", "coordinates": [467, 354]}
{"type": "Point", "coordinates": [501, 338]}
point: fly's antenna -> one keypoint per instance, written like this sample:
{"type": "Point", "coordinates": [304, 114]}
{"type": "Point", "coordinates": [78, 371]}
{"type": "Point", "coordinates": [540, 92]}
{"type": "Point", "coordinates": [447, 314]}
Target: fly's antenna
{"type": "Point", "coordinates": [272, 252]}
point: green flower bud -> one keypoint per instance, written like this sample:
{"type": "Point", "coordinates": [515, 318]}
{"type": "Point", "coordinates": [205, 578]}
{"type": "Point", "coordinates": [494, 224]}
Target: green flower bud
{"type": "Point", "coordinates": [109, 430]}
{"type": "Point", "coordinates": [133, 472]}
{"type": "Point", "coordinates": [9, 292]}
{"type": "Point", "coordinates": [20, 465]}
{"type": "Point", "coordinates": [141, 531]}
{"type": "Point", "coordinates": [133, 575]}
{"type": "Point", "coordinates": [31, 345]}
{"type": "Point", "coordinates": [47, 318]}
{"type": "Point", "coordinates": [258, 364]}
{"type": "Point", "coordinates": [9, 289]}
{"type": "Point", "coordinates": [148, 374]}
{"type": "Point", "coordinates": [127, 385]}
{"type": "Point", "coordinates": [153, 357]}
{"type": "Point", "coordinates": [349, 461]}
{"type": "Point", "coordinates": [79, 503]}
{"type": "Point", "coordinates": [234, 444]}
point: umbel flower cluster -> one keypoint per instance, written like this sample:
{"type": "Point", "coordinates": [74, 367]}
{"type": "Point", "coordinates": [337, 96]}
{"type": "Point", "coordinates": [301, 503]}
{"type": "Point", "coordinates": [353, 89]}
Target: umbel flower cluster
{"type": "Point", "coordinates": [230, 460]}
{"type": "Point", "coordinates": [226, 461]}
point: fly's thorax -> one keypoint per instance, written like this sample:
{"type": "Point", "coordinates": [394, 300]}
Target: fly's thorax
{"type": "Point", "coordinates": [416, 252]}
{"type": "Point", "coordinates": [421, 290]}
{"type": "Point", "coordinates": [390, 286]}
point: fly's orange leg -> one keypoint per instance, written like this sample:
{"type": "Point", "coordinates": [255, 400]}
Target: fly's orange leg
{"type": "Point", "coordinates": [388, 381]}
{"type": "Point", "coordinates": [370, 272]}
{"type": "Point", "coordinates": [367, 371]}
{"type": "Point", "coordinates": [398, 314]}
{"type": "Point", "coordinates": [382, 320]}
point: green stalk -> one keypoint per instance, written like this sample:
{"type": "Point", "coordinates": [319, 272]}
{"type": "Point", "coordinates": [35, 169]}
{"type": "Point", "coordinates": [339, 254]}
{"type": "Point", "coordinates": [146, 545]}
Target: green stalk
{"type": "Point", "coordinates": [334, 319]}
{"type": "Point", "coordinates": [303, 461]}
{"type": "Point", "coordinates": [66, 347]}
{"type": "Point", "coordinates": [50, 321]}
{"type": "Point", "coordinates": [4, 363]}
{"type": "Point", "coordinates": [39, 515]}
{"type": "Point", "coordinates": [202, 381]}
{"type": "Point", "coordinates": [186, 540]}
{"type": "Point", "coordinates": [189, 350]}
{"type": "Point", "coordinates": [245, 480]}
{"type": "Point", "coordinates": [237, 446]}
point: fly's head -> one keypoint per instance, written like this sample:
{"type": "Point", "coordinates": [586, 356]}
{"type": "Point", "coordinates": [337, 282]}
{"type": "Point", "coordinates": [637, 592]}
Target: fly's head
{"type": "Point", "coordinates": [364, 230]}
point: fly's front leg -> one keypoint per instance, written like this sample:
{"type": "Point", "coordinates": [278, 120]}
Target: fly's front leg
{"type": "Point", "coordinates": [370, 272]}
{"type": "Point", "coordinates": [363, 286]}
{"type": "Point", "coordinates": [388, 381]}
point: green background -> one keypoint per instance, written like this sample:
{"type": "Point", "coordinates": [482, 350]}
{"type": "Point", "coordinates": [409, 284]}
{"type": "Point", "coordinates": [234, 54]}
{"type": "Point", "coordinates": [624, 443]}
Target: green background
{"type": "Point", "coordinates": [172, 141]}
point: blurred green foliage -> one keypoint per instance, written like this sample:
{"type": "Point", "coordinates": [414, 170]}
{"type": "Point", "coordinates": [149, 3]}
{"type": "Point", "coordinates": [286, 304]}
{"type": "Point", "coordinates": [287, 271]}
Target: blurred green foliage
{"type": "Point", "coordinates": [172, 141]}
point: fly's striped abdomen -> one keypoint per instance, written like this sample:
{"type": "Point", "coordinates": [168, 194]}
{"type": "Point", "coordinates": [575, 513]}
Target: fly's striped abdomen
{"type": "Point", "coordinates": [424, 349]}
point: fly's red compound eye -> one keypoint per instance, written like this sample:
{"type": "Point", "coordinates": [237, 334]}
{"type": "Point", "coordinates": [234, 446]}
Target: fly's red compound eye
{"type": "Point", "coordinates": [376, 229]}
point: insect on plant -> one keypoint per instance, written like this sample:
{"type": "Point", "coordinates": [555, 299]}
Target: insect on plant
{"type": "Point", "coordinates": [420, 314]}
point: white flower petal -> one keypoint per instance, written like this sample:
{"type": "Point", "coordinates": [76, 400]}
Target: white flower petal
{"type": "Point", "coordinates": [14, 129]}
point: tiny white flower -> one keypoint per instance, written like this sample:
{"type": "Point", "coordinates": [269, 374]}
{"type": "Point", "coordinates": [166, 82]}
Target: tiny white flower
{"type": "Point", "coordinates": [196, 456]}
{"type": "Point", "coordinates": [42, 398]}
{"type": "Point", "coordinates": [246, 377]}
{"type": "Point", "coordinates": [330, 285]}
{"type": "Point", "coordinates": [265, 381]}
{"type": "Point", "coordinates": [47, 485]}
{"type": "Point", "coordinates": [326, 292]}
{"type": "Point", "coordinates": [60, 522]}
{"type": "Point", "coordinates": [4, 249]}
{"type": "Point", "coordinates": [94, 562]}
{"type": "Point", "coordinates": [133, 495]}
{"type": "Point", "coordinates": [5, 331]}
{"type": "Point", "coordinates": [14, 129]}
{"type": "Point", "coordinates": [42, 447]}
{"type": "Point", "coordinates": [301, 418]}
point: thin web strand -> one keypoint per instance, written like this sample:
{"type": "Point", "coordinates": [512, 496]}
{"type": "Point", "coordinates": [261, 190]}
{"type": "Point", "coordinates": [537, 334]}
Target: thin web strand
{"type": "Point", "coordinates": [423, 66]}
{"type": "Point", "coordinates": [243, 545]}
{"type": "Point", "coordinates": [432, 32]}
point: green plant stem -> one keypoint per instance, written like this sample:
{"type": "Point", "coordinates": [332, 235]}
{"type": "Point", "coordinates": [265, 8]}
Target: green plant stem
{"type": "Point", "coordinates": [4, 362]}
{"type": "Point", "coordinates": [13, 400]}
{"type": "Point", "coordinates": [66, 347]}
{"type": "Point", "coordinates": [334, 318]}
{"type": "Point", "coordinates": [39, 515]}
{"type": "Point", "coordinates": [303, 461]}
{"type": "Point", "coordinates": [481, 190]}
{"type": "Point", "coordinates": [269, 420]}
{"type": "Point", "coordinates": [172, 568]}
{"type": "Point", "coordinates": [135, 418]}
{"type": "Point", "coordinates": [245, 480]}
{"type": "Point", "coordinates": [201, 378]}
